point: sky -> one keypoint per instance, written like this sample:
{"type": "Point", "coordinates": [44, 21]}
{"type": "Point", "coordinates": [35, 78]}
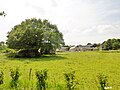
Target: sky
{"type": "Point", "coordinates": [80, 21]}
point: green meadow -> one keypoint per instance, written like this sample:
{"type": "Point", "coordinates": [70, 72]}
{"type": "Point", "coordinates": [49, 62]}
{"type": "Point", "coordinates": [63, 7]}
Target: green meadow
{"type": "Point", "coordinates": [87, 66]}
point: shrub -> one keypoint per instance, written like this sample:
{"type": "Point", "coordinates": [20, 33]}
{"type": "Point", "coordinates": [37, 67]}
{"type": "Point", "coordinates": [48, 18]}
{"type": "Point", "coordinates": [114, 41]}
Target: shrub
{"type": "Point", "coordinates": [15, 74]}
{"type": "Point", "coordinates": [11, 53]}
{"type": "Point", "coordinates": [103, 81]}
{"type": "Point", "coordinates": [41, 80]}
{"type": "Point", "coordinates": [71, 81]}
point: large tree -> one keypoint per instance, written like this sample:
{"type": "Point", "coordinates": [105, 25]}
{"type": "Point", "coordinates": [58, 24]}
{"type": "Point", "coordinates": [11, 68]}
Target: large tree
{"type": "Point", "coordinates": [35, 34]}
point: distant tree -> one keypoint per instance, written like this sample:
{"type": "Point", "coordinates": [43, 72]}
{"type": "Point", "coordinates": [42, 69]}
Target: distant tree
{"type": "Point", "coordinates": [2, 45]}
{"type": "Point", "coordinates": [33, 35]}
{"type": "Point", "coordinates": [89, 44]}
{"type": "Point", "coordinates": [119, 43]}
{"type": "Point", "coordinates": [95, 45]}
{"type": "Point", "coordinates": [115, 44]}
{"type": "Point", "coordinates": [108, 45]}
{"type": "Point", "coordinates": [111, 44]}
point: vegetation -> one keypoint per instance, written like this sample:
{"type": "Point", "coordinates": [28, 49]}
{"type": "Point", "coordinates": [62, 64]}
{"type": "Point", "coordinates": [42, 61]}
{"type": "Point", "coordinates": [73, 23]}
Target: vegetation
{"type": "Point", "coordinates": [35, 37]}
{"type": "Point", "coordinates": [103, 81]}
{"type": "Point", "coordinates": [71, 82]}
{"type": "Point", "coordinates": [15, 74]}
{"type": "Point", "coordinates": [2, 45]}
{"type": "Point", "coordinates": [1, 77]}
{"type": "Point", "coordinates": [111, 44]}
{"type": "Point", "coordinates": [87, 66]}
{"type": "Point", "coordinates": [41, 80]}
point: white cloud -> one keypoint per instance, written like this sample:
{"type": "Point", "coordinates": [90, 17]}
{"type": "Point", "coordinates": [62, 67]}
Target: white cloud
{"type": "Point", "coordinates": [109, 30]}
{"type": "Point", "coordinates": [103, 29]}
{"type": "Point", "coordinates": [80, 21]}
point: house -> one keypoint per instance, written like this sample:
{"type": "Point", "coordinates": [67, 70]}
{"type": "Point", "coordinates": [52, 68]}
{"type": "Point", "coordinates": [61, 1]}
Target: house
{"type": "Point", "coordinates": [74, 49]}
{"type": "Point", "coordinates": [63, 49]}
{"type": "Point", "coordinates": [79, 48]}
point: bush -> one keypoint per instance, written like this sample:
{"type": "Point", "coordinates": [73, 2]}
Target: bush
{"type": "Point", "coordinates": [15, 74]}
{"type": "Point", "coordinates": [103, 81]}
{"type": "Point", "coordinates": [41, 79]}
{"type": "Point", "coordinates": [71, 82]}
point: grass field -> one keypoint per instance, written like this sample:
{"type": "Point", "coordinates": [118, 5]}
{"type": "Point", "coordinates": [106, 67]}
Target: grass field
{"type": "Point", "coordinates": [87, 66]}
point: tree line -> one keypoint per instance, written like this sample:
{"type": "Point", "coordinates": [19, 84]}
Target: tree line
{"type": "Point", "coordinates": [111, 44]}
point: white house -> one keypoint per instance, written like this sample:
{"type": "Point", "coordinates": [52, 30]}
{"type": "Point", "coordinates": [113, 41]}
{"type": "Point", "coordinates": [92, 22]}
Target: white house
{"type": "Point", "coordinates": [79, 48]}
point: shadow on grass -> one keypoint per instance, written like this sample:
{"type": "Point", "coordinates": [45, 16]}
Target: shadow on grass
{"type": "Point", "coordinates": [40, 58]}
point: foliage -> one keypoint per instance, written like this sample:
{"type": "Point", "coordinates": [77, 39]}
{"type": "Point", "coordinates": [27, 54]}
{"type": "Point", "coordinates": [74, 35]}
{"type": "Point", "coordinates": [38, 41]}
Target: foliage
{"type": "Point", "coordinates": [1, 77]}
{"type": "Point", "coordinates": [103, 81]}
{"type": "Point", "coordinates": [111, 44]}
{"type": "Point", "coordinates": [15, 74]}
{"type": "Point", "coordinates": [35, 34]}
{"type": "Point", "coordinates": [2, 45]}
{"type": "Point", "coordinates": [41, 79]}
{"type": "Point", "coordinates": [70, 80]}
{"type": "Point", "coordinates": [5, 49]}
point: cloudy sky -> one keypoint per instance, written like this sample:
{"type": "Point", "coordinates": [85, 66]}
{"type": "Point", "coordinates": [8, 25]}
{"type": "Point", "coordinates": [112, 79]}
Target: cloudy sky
{"type": "Point", "coordinates": [80, 21]}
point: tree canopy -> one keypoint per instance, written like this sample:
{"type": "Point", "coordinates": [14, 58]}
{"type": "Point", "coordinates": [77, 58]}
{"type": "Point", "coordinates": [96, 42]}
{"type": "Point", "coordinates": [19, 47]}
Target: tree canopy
{"type": "Point", "coordinates": [111, 44]}
{"type": "Point", "coordinates": [35, 34]}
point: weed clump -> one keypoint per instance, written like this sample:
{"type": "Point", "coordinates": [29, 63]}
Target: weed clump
{"type": "Point", "coordinates": [41, 79]}
{"type": "Point", "coordinates": [103, 82]}
{"type": "Point", "coordinates": [1, 77]}
{"type": "Point", "coordinates": [15, 74]}
{"type": "Point", "coordinates": [71, 81]}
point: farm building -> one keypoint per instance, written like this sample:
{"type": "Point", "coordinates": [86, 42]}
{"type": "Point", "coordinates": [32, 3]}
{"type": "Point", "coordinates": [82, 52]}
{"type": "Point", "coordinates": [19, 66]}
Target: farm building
{"type": "Point", "coordinates": [79, 48]}
{"type": "Point", "coordinates": [63, 49]}
{"type": "Point", "coordinates": [74, 49]}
